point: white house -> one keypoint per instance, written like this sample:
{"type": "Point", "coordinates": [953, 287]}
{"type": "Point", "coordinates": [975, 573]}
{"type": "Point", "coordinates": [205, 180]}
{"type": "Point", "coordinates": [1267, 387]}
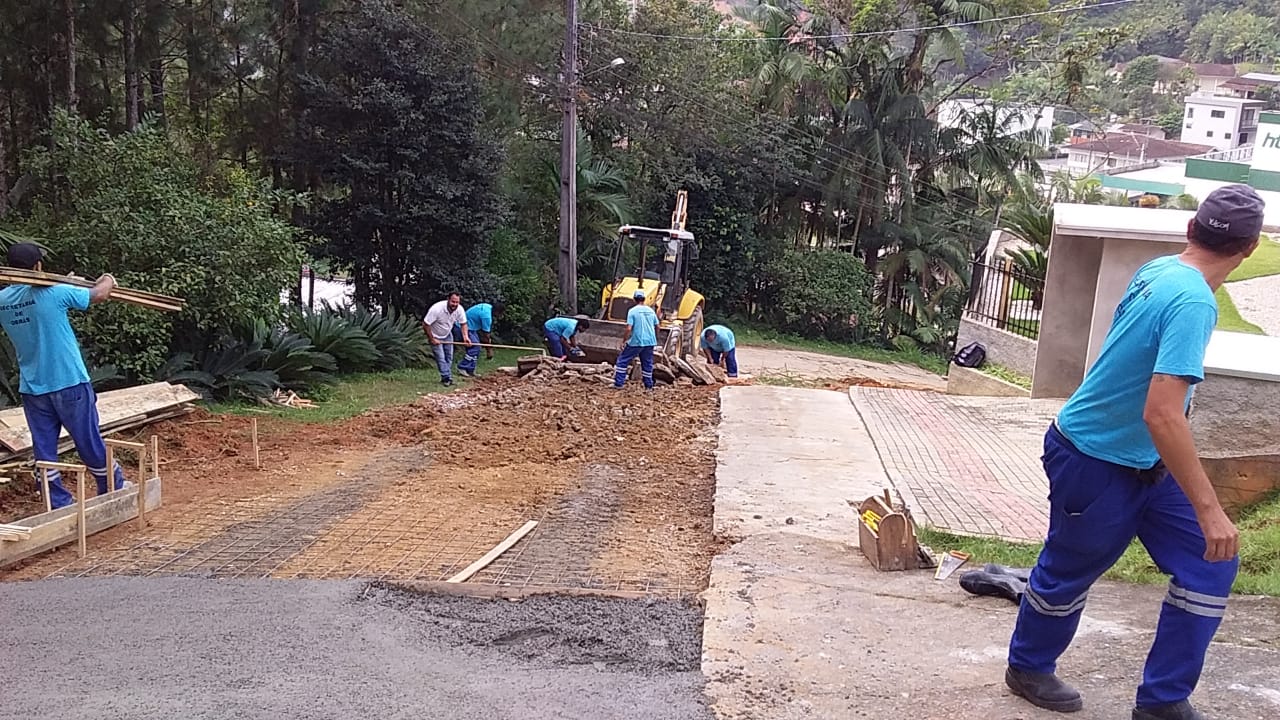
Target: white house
{"type": "Point", "coordinates": [1220, 122]}
{"type": "Point", "coordinates": [1122, 150]}
{"type": "Point", "coordinates": [1020, 118]}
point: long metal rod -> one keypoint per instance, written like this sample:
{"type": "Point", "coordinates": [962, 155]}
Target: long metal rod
{"type": "Point", "coordinates": [500, 347]}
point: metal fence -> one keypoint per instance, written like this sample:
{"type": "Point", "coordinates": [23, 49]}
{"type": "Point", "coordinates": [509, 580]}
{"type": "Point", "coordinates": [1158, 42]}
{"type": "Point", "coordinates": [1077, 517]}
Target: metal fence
{"type": "Point", "coordinates": [1006, 298]}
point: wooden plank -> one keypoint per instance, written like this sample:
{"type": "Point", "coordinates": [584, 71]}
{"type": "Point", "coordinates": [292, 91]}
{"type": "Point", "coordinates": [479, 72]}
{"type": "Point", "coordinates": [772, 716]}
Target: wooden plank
{"type": "Point", "coordinates": [493, 554]}
{"type": "Point", "coordinates": [54, 529]}
{"type": "Point", "coordinates": [62, 467]}
{"type": "Point", "coordinates": [44, 278]}
{"type": "Point", "coordinates": [81, 526]}
{"type": "Point", "coordinates": [130, 405]}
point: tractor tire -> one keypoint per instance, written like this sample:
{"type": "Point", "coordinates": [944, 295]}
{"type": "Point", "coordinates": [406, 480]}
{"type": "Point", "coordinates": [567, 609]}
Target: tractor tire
{"type": "Point", "coordinates": [691, 334]}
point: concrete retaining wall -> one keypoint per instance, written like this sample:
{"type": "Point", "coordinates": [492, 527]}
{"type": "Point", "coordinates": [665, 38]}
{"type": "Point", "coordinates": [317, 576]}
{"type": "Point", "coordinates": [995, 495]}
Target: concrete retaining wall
{"type": "Point", "coordinates": [1237, 431]}
{"type": "Point", "coordinates": [964, 381]}
{"type": "Point", "coordinates": [1003, 348]}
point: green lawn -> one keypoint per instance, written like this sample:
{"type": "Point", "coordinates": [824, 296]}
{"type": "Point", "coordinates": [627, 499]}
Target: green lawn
{"type": "Point", "coordinates": [1229, 317]}
{"type": "Point", "coordinates": [746, 335]}
{"type": "Point", "coordinates": [1008, 375]}
{"type": "Point", "coordinates": [1259, 547]}
{"type": "Point", "coordinates": [1264, 261]}
{"type": "Point", "coordinates": [354, 394]}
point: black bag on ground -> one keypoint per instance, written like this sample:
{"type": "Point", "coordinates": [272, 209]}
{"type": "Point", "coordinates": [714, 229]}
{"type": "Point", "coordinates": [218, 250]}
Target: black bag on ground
{"type": "Point", "coordinates": [972, 355]}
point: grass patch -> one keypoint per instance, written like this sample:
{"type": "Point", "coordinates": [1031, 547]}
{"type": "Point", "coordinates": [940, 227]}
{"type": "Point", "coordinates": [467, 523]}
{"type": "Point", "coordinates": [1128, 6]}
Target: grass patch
{"type": "Point", "coordinates": [354, 394]}
{"type": "Point", "coordinates": [1025, 328]}
{"type": "Point", "coordinates": [1008, 375]}
{"type": "Point", "coordinates": [746, 335]}
{"type": "Point", "coordinates": [1264, 261]}
{"type": "Point", "coordinates": [1229, 317]}
{"type": "Point", "coordinates": [1259, 547]}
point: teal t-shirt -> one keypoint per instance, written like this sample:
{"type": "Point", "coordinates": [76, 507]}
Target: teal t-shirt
{"type": "Point", "coordinates": [644, 326]}
{"type": "Point", "coordinates": [36, 319]}
{"type": "Point", "coordinates": [562, 326]}
{"type": "Point", "coordinates": [480, 317]}
{"type": "Point", "coordinates": [724, 341]}
{"type": "Point", "coordinates": [1161, 326]}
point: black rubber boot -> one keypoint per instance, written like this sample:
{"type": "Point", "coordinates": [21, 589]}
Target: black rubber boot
{"type": "Point", "coordinates": [1044, 691]}
{"type": "Point", "coordinates": [981, 582]}
{"type": "Point", "coordinates": [1023, 574]}
{"type": "Point", "coordinates": [1176, 711]}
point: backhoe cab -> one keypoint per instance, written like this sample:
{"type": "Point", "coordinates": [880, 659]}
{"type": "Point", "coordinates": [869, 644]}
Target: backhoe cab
{"type": "Point", "coordinates": [656, 261]}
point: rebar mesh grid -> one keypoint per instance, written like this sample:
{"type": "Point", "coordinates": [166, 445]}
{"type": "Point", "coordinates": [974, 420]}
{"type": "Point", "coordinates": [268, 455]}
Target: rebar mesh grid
{"type": "Point", "coordinates": [373, 528]}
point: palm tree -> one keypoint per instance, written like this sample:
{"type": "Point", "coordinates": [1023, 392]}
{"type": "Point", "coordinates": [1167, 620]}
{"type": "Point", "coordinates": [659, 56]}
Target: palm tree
{"type": "Point", "coordinates": [603, 202]}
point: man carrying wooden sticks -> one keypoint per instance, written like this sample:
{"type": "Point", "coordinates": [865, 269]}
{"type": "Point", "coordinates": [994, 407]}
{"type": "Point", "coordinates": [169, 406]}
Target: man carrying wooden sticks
{"type": "Point", "coordinates": [54, 381]}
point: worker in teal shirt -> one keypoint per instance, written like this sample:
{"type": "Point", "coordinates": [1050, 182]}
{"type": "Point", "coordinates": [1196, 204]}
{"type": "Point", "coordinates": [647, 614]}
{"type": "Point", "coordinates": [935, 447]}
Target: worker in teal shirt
{"type": "Point", "coordinates": [718, 345]}
{"type": "Point", "coordinates": [54, 382]}
{"type": "Point", "coordinates": [561, 335]}
{"type": "Point", "coordinates": [640, 339]}
{"type": "Point", "coordinates": [1121, 462]}
{"type": "Point", "coordinates": [480, 329]}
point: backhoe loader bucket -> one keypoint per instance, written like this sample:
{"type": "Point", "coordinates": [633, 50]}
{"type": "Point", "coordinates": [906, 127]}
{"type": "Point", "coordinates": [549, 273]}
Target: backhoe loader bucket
{"type": "Point", "coordinates": [603, 341]}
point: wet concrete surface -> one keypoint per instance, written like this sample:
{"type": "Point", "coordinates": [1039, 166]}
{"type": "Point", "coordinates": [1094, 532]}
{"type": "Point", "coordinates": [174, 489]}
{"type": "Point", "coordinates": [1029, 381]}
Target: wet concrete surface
{"type": "Point", "coordinates": [106, 648]}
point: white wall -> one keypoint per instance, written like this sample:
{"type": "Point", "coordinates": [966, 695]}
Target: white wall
{"type": "Point", "coordinates": [1084, 161]}
{"type": "Point", "coordinates": [1202, 128]}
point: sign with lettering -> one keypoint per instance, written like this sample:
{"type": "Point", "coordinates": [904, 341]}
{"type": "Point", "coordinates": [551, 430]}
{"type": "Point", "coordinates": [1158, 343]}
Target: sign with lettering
{"type": "Point", "coordinates": [1266, 150]}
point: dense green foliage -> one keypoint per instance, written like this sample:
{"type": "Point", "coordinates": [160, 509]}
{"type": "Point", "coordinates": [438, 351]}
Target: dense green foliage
{"type": "Point", "coordinates": [822, 293]}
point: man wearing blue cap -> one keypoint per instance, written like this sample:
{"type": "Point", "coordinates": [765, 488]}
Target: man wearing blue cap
{"type": "Point", "coordinates": [639, 341]}
{"type": "Point", "coordinates": [54, 382]}
{"type": "Point", "coordinates": [1121, 463]}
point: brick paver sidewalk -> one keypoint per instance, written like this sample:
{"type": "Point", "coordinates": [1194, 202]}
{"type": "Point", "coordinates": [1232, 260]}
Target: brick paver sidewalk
{"type": "Point", "coordinates": [965, 465]}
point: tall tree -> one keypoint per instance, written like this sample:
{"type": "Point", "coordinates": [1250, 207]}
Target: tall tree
{"type": "Point", "coordinates": [69, 45]}
{"type": "Point", "coordinates": [390, 130]}
{"type": "Point", "coordinates": [132, 76]}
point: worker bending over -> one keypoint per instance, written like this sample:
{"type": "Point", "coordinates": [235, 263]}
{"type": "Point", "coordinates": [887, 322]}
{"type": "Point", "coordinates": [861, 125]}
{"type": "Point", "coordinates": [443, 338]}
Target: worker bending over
{"type": "Point", "coordinates": [719, 347]}
{"type": "Point", "coordinates": [1121, 462]}
{"type": "Point", "coordinates": [54, 382]}
{"type": "Point", "coordinates": [479, 327]}
{"type": "Point", "coordinates": [438, 324]}
{"type": "Point", "coordinates": [561, 334]}
{"type": "Point", "coordinates": [640, 339]}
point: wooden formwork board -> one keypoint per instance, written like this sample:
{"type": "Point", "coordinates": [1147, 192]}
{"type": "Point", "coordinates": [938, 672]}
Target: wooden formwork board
{"type": "Point", "coordinates": [59, 527]}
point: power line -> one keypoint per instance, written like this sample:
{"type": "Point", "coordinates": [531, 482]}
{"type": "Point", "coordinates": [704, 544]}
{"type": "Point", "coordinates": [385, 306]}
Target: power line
{"type": "Point", "coordinates": [867, 33]}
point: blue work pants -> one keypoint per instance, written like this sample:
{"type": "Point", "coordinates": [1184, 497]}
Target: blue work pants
{"type": "Point", "coordinates": [76, 409]}
{"type": "Point", "coordinates": [629, 353]}
{"type": "Point", "coordinates": [730, 361]}
{"type": "Point", "coordinates": [1095, 510]}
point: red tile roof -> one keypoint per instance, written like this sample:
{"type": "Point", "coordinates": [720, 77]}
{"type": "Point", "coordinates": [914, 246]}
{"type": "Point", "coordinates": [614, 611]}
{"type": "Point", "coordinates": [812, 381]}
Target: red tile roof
{"type": "Point", "coordinates": [1140, 146]}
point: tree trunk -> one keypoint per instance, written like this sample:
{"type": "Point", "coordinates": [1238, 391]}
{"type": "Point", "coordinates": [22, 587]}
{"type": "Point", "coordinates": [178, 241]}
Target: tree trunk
{"type": "Point", "coordinates": [193, 63]}
{"type": "Point", "coordinates": [132, 79]}
{"type": "Point", "coordinates": [69, 10]}
{"type": "Point", "coordinates": [155, 78]}
{"type": "Point", "coordinates": [4, 153]}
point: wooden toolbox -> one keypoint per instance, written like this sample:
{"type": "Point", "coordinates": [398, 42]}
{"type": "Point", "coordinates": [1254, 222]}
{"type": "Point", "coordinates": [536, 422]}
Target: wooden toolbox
{"type": "Point", "coordinates": [887, 536]}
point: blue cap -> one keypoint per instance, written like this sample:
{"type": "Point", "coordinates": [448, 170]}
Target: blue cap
{"type": "Point", "coordinates": [638, 295]}
{"type": "Point", "coordinates": [1234, 211]}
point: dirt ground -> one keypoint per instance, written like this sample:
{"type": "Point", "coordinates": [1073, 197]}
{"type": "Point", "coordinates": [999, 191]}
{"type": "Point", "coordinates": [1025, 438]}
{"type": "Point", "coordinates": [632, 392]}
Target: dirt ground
{"type": "Point", "coordinates": [621, 483]}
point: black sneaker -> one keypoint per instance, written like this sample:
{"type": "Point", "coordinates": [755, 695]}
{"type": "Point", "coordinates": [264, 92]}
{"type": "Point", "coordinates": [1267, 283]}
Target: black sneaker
{"type": "Point", "coordinates": [446, 381]}
{"type": "Point", "coordinates": [469, 373]}
{"type": "Point", "coordinates": [1174, 711]}
{"type": "Point", "coordinates": [1023, 574]}
{"type": "Point", "coordinates": [1045, 690]}
{"type": "Point", "coordinates": [981, 582]}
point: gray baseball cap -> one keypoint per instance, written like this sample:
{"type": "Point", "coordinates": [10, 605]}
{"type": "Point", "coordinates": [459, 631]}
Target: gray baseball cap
{"type": "Point", "coordinates": [1234, 211]}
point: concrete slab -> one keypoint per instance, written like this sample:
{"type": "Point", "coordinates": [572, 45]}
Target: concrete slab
{"type": "Point", "coordinates": [805, 628]}
{"type": "Point", "coordinates": [966, 465]}
{"type": "Point", "coordinates": [798, 624]}
{"type": "Point", "coordinates": [791, 459]}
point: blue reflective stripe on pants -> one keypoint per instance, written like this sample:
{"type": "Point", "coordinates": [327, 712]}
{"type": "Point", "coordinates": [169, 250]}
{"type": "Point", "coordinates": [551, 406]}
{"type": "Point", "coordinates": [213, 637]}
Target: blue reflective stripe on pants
{"type": "Point", "coordinates": [443, 353]}
{"type": "Point", "coordinates": [629, 353]}
{"type": "Point", "coordinates": [468, 363]}
{"type": "Point", "coordinates": [730, 361]}
{"type": "Point", "coordinates": [76, 409]}
{"type": "Point", "coordinates": [555, 344]}
{"type": "Point", "coordinates": [1095, 510]}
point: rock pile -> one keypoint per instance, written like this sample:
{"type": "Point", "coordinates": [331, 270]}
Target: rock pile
{"type": "Point", "coordinates": [666, 370]}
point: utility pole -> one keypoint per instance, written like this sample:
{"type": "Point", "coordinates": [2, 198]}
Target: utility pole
{"type": "Point", "coordinates": [568, 265]}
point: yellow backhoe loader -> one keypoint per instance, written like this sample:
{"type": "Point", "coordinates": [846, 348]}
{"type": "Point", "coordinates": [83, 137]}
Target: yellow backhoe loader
{"type": "Point", "coordinates": [656, 261]}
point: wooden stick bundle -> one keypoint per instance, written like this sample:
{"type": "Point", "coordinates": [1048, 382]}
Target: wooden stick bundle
{"type": "Point", "coordinates": [155, 301]}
